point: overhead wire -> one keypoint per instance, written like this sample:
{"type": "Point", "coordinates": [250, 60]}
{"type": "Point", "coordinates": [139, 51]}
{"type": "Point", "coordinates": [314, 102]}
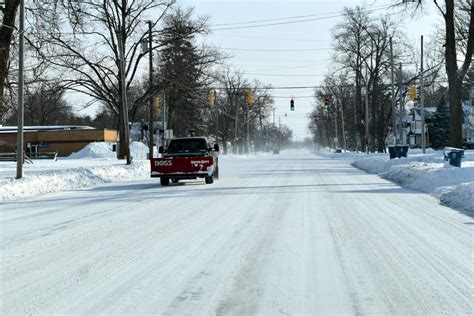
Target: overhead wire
{"type": "Point", "coordinates": [276, 50]}
{"type": "Point", "coordinates": [289, 67]}
{"type": "Point", "coordinates": [272, 38]}
{"type": "Point", "coordinates": [293, 17]}
{"type": "Point", "coordinates": [281, 59]}
{"type": "Point", "coordinates": [328, 16]}
{"type": "Point", "coordinates": [280, 19]}
{"type": "Point", "coordinates": [281, 66]}
{"type": "Point", "coordinates": [282, 75]}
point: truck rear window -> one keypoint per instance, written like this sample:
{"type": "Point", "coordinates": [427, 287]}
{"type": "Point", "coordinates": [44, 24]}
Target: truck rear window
{"type": "Point", "coordinates": [187, 145]}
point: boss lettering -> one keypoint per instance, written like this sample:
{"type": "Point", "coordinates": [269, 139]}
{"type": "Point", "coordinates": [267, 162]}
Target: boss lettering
{"type": "Point", "coordinates": [163, 163]}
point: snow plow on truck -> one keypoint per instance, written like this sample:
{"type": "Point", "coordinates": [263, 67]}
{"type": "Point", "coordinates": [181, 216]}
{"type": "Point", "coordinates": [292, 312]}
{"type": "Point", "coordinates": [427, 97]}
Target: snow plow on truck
{"type": "Point", "coordinates": [186, 158]}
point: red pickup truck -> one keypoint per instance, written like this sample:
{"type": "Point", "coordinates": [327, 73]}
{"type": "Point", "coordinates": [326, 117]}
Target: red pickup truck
{"type": "Point", "coordinates": [186, 158]}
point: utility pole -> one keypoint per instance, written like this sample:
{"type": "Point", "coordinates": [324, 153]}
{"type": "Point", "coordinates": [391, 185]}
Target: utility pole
{"type": "Point", "coordinates": [150, 84]}
{"type": "Point", "coordinates": [401, 105]}
{"type": "Point", "coordinates": [356, 133]}
{"type": "Point", "coordinates": [273, 133]}
{"type": "Point", "coordinates": [21, 80]}
{"type": "Point", "coordinates": [216, 110]}
{"type": "Point", "coordinates": [268, 137]}
{"type": "Point", "coordinates": [123, 87]}
{"type": "Point", "coordinates": [279, 131]}
{"type": "Point", "coordinates": [163, 119]}
{"type": "Point", "coordinates": [366, 112]}
{"type": "Point", "coordinates": [236, 126]}
{"type": "Point", "coordinates": [248, 130]}
{"type": "Point", "coordinates": [343, 128]}
{"type": "Point", "coordinates": [422, 101]}
{"type": "Point", "coordinates": [394, 111]}
{"type": "Point", "coordinates": [336, 142]}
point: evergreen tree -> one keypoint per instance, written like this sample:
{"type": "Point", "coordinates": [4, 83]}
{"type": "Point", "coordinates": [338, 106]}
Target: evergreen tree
{"type": "Point", "coordinates": [183, 68]}
{"type": "Point", "coordinates": [438, 126]}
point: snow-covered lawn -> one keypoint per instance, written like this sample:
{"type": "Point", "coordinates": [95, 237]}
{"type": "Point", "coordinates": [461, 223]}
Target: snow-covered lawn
{"type": "Point", "coordinates": [95, 164]}
{"type": "Point", "coordinates": [428, 173]}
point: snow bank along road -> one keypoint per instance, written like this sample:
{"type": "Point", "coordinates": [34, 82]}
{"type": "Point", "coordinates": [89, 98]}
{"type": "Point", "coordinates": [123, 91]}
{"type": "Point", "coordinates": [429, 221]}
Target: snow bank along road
{"type": "Point", "coordinates": [275, 235]}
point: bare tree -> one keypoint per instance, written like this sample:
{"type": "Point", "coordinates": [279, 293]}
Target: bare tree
{"type": "Point", "coordinates": [45, 105]}
{"type": "Point", "coordinates": [231, 105]}
{"type": "Point", "coordinates": [455, 73]}
{"type": "Point", "coordinates": [351, 45]}
{"type": "Point", "coordinates": [363, 53]}
{"type": "Point", "coordinates": [259, 112]}
{"type": "Point", "coordinates": [8, 10]}
{"type": "Point", "coordinates": [233, 109]}
{"type": "Point", "coordinates": [83, 39]}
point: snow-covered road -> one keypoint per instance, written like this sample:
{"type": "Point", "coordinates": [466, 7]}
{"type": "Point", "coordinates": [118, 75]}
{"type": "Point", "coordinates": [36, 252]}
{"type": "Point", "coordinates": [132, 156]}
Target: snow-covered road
{"type": "Point", "coordinates": [287, 234]}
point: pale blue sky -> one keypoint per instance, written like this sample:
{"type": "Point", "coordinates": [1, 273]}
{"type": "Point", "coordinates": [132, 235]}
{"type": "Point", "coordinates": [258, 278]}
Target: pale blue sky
{"type": "Point", "coordinates": [288, 68]}
{"type": "Point", "coordinates": [301, 68]}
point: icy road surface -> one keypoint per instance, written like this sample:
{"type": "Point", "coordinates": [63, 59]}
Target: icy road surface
{"type": "Point", "coordinates": [285, 234]}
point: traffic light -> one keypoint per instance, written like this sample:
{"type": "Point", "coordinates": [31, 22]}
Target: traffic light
{"type": "Point", "coordinates": [413, 92]}
{"type": "Point", "coordinates": [326, 102]}
{"type": "Point", "coordinates": [249, 97]}
{"type": "Point", "coordinates": [157, 103]}
{"type": "Point", "coordinates": [211, 97]}
{"type": "Point", "coordinates": [292, 104]}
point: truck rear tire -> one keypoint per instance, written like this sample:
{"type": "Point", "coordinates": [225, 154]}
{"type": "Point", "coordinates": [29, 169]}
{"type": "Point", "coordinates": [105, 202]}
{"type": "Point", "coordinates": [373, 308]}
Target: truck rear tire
{"type": "Point", "coordinates": [164, 181]}
{"type": "Point", "coordinates": [216, 173]}
{"type": "Point", "coordinates": [209, 180]}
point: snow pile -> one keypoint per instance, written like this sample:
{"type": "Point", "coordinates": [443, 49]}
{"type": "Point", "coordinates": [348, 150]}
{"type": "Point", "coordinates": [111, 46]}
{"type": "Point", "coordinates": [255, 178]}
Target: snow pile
{"type": "Point", "coordinates": [139, 151]}
{"type": "Point", "coordinates": [94, 164]}
{"type": "Point", "coordinates": [461, 197]}
{"type": "Point", "coordinates": [101, 150]}
{"type": "Point", "coordinates": [428, 173]}
{"type": "Point", "coordinates": [95, 150]}
{"type": "Point", "coordinates": [50, 181]}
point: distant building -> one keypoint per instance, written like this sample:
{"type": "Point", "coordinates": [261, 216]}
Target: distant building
{"type": "Point", "coordinates": [63, 140]}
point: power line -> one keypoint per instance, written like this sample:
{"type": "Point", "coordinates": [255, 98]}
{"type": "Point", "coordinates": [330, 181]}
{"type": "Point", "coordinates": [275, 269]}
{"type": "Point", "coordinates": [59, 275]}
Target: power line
{"type": "Point", "coordinates": [273, 38]}
{"type": "Point", "coordinates": [274, 24]}
{"type": "Point", "coordinates": [275, 50]}
{"type": "Point", "coordinates": [321, 17]}
{"type": "Point", "coordinates": [282, 75]}
{"type": "Point", "coordinates": [277, 19]}
{"type": "Point", "coordinates": [292, 96]}
{"type": "Point", "coordinates": [276, 88]}
{"type": "Point", "coordinates": [280, 66]}
{"type": "Point", "coordinates": [290, 67]}
{"type": "Point", "coordinates": [281, 59]}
